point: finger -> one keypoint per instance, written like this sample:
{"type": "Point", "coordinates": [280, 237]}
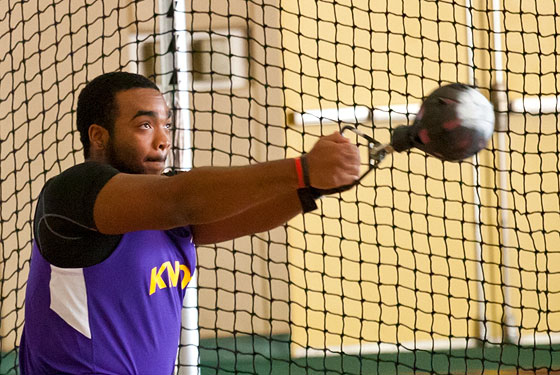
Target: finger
{"type": "Point", "coordinates": [348, 167]}
{"type": "Point", "coordinates": [331, 137]}
{"type": "Point", "coordinates": [340, 138]}
{"type": "Point", "coordinates": [350, 152]}
{"type": "Point", "coordinates": [348, 177]}
{"type": "Point", "coordinates": [337, 137]}
{"type": "Point", "coordinates": [352, 171]}
{"type": "Point", "coordinates": [352, 158]}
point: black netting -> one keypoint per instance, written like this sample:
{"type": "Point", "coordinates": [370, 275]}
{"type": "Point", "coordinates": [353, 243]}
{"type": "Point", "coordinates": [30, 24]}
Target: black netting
{"type": "Point", "coordinates": [425, 267]}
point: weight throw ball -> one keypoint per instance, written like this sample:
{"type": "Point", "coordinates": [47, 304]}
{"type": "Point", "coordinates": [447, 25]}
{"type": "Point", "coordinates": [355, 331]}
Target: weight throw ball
{"type": "Point", "coordinates": [454, 122]}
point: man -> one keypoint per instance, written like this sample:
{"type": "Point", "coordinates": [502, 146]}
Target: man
{"type": "Point", "coordinates": [114, 238]}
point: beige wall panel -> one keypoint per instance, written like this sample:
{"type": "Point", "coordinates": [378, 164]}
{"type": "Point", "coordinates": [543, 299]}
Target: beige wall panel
{"type": "Point", "coordinates": [45, 58]}
{"type": "Point", "coordinates": [243, 283]}
{"type": "Point", "coordinates": [65, 49]}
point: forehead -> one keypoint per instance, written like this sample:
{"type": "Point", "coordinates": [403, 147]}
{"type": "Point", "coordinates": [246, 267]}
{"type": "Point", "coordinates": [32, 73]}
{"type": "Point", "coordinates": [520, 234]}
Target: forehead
{"type": "Point", "coordinates": [140, 99]}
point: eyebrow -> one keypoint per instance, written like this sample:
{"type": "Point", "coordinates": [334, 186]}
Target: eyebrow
{"type": "Point", "coordinates": [151, 114]}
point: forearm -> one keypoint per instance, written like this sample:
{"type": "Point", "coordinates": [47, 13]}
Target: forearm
{"type": "Point", "coordinates": [207, 195]}
{"type": "Point", "coordinates": [259, 218]}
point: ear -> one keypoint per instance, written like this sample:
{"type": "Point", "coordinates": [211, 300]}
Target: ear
{"type": "Point", "coordinates": [98, 137]}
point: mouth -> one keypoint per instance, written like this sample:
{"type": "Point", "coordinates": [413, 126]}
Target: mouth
{"type": "Point", "coordinates": [155, 164]}
{"type": "Point", "coordinates": [156, 159]}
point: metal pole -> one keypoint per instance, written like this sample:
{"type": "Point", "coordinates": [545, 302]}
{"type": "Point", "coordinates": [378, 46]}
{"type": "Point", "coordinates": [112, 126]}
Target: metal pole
{"type": "Point", "coordinates": [482, 324]}
{"type": "Point", "coordinates": [188, 356]}
{"type": "Point", "coordinates": [510, 331]}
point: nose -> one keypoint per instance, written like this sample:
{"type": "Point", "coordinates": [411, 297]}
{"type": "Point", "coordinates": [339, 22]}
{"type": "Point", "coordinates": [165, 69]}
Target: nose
{"type": "Point", "coordinates": [162, 139]}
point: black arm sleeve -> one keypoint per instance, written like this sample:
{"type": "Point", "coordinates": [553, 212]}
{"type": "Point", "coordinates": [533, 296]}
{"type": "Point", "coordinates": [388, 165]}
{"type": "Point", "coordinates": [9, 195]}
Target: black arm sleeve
{"type": "Point", "coordinates": [64, 227]}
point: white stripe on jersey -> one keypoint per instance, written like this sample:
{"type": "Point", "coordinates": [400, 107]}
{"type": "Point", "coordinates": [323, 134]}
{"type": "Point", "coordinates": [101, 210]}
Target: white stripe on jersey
{"type": "Point", "coordinates": [69, 298]}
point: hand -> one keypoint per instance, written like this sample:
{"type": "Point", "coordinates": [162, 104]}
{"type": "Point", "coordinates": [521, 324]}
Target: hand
{"type": "Point", "coordinates": [333, 162]}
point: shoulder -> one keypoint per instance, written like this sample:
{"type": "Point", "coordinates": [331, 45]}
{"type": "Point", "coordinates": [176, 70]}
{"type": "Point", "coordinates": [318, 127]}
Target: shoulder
{"type": "Point", "coordinates": [88, 176]}
{"type": "Point", "coordinates": [88, 169]}
{"type": "Point", "coordinates": [72, 193]}
{"type": "Point", "coordinates": [64, 226]}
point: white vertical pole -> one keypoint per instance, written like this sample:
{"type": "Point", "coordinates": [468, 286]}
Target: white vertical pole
{"type": "Point", "coordinates": [481, 295]}
{"type": "Point", "coordinates": [189, 353]}
{"type": "Point", "coordinates": [181, 91]}
{"type": "Point", "coordinates": [189, 343]}
{"type": "Point", "coordinates": [510, 332]}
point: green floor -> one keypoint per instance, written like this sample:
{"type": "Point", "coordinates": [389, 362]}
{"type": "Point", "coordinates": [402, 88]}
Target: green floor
{"type": "Point", "coordinates": [7, 363]}
{"type": "Point", "coordinates": [259, 355]}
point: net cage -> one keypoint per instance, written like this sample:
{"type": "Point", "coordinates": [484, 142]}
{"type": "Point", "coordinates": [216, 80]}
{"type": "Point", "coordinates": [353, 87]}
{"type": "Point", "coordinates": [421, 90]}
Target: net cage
{"type": "Point", "coordinates": [425, 267]}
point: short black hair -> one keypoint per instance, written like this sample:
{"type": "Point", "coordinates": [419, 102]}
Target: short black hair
{"type": "Point", "coordinates": [96, 103]}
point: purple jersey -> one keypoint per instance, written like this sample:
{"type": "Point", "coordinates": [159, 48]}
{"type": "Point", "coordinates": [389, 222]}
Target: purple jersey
{"type": "Point", "coordinates": [122, 316]}
{"type": "Point", "coordinates": [101, 304]}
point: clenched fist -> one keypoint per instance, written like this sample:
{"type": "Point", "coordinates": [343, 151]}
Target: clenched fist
{"type": "Point", "coordinates": [333, 162]}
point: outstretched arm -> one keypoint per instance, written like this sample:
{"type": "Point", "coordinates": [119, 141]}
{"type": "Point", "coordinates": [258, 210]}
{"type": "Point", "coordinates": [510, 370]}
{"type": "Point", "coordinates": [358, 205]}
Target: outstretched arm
{"type": "Point", "coordinates": [260, 218]}
{"type": "Point", "coordinates": [211, 195]}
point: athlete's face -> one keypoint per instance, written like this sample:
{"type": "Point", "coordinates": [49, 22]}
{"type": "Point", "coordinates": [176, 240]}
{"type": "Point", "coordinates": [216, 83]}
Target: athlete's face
{"type": "Point", "coordinates": [142, 132]}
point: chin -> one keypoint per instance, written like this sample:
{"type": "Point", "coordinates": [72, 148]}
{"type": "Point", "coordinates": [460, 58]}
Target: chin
{"type": "Point", "coordinates": [154, 168]}
{"type": "Point", "coordinates": [130, 169]}
{"type": "Point", "coordinates": [153, 171]}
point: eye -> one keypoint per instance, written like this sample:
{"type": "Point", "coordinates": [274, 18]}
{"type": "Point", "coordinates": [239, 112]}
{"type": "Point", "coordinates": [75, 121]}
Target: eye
{"type": "Point", "coordinates": [169, 126]}
{"type": "Point", "coordinates": [145, 125]}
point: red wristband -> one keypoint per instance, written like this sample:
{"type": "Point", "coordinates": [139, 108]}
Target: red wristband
{"type": "Point", "coordinates": [299, 170]}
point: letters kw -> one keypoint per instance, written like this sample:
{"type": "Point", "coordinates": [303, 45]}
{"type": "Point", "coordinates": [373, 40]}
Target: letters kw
{"type": "Point", "coordinates": [156, 279]}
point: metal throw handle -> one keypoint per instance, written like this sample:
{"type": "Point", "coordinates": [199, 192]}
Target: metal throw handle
{"type": "Point", "coordinates": [376, 153]}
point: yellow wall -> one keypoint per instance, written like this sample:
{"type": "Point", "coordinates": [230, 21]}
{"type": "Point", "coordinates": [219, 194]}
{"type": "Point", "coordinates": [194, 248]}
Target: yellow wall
{"type": "Point", "coordinates": [340, 51]}
{"type": "Point", "coordinates": [402, 264]}
{"type": "Point", "coordinates": [533, 221]}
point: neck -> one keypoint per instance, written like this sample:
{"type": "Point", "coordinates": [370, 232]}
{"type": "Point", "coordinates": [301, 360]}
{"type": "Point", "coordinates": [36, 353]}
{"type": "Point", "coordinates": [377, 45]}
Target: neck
{"type": "Point", "coordinates": [97, 157]}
